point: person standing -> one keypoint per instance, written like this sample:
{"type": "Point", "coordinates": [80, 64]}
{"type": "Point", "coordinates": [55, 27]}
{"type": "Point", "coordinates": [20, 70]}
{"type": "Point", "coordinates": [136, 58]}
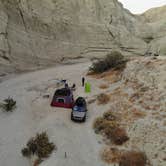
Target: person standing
{"type": "Point", "coordinates": [83, 81]}
{"type": "Point", "coordinates": [66, 85]}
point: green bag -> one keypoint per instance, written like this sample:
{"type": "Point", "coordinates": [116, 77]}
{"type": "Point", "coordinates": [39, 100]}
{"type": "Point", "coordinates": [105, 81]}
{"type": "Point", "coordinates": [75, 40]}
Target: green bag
{"type": "Point", "coordinates": [87, 87]}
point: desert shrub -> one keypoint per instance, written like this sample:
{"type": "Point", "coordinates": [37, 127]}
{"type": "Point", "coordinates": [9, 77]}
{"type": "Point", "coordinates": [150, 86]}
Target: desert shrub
{"type": "Point", "coordinates": [26, 152]}
{"type": "Point", "coordinates": [103, 98]}
{"type": "Point", "coordinates": [8, 105]}
{"type": "Point", "coordinates": [101, 125]}
{"type": "Point", "coordinates": [99, 66]}
{"type": "Point", "coordinates": [109, 116]}
{"type": "Point", "coordinates": [103, 86]}
{"type": "Point", "coordinates": [133, 158]}
{"type": "Point", "coordinates": [98, 124]}
{"type": "Point", "coordinates": [39, 145]}
{"type": "Point", "coordinates": [124, 158]}
{"type": "Point", "coordinates": [117, 135]}
{"type": "Point", "coordinates": [114, 60]}
{"type": "Point", "coordinates": [108, 126]}
{"type": "Point", "coordinates": [111, 130]}
{"type": "Point", "coordinates": [111, 155]}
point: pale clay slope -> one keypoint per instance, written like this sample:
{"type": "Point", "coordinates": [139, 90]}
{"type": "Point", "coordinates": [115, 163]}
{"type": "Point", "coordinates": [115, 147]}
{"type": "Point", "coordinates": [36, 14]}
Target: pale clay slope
{"type": "Point", "coordinates": [34, 114]}
{"type": "Point", "coordinates": [155, 14]}
{"type": "Point", "coordinates": [156, 19]}
{"type": "Point", "coordinates": [39, 33]}
{"type": "Point", "coordinates": [148, 134]}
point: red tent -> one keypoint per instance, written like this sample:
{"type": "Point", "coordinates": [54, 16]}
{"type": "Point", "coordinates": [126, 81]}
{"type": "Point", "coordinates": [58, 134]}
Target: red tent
{"type": "Point", "coordinates": [63, 98]}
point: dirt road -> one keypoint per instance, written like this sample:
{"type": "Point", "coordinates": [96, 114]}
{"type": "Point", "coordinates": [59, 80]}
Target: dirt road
{"type": "Point", "coordinates": [34, 114]}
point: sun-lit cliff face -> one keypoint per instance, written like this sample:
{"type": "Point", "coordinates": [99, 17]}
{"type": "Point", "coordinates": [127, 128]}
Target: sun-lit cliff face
{"type": "Point", "coordinates": [156, 20]}
{"type": "Point", "coordinates": [35, 33]}
{"type": "Point", "coordinates": [155, 14]}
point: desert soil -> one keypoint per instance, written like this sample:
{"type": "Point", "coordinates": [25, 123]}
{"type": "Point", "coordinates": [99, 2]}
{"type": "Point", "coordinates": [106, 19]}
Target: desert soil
{"type": "Point", "coordinates": [34, 114]}
{"type": "Point", "coordinates": [137, 96]}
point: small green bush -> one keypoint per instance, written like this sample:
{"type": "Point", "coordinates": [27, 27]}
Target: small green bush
{"type": "Point", "coordinates": [99, 66]}
{"type": "Point", "coordinates": [40, 146]}
{"type": "Point", "coordinates": [8, 105]}
{"type": "Point", "coordinates": [114, 60]}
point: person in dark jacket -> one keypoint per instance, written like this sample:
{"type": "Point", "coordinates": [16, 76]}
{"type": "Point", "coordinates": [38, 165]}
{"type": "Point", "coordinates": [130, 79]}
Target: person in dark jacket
{"type": "Point", "coordinates": [83, 81]}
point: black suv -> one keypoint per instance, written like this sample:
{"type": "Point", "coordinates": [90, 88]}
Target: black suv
{"type": "Point", "coordinates": [79, 110]}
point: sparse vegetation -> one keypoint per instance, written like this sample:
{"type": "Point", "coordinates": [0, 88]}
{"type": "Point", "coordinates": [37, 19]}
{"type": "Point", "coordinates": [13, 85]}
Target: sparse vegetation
{"type": "Point", "coordinates": [39, 146]}
{"type": "Point", "coordinates": [124, 158]}
{"type": "Point", "coordinates": [103, 86]}
{"type": "Point", "coordinates": [109, 116]}
{"type": "Point", "coordinates": [133, 158]}
{"type": "Point", "coordinates": [114, 60]}
{"type": "Point", "coordinates": [117, 135]}
{"type": "Point", "coordinates": [101, 125]}
{"type": "Point", "coordinates": [8, 105]}
{"type": "Point", "coordinates": [111, 155]}
{"type": "Point", "coordinates": [103, 98]}
{"type": "Point", "coordinates": [26, 152]}
{"type": "Point", "coordinates": [108, 126]}
{"type": "Point", "coordinates": [99, 66]}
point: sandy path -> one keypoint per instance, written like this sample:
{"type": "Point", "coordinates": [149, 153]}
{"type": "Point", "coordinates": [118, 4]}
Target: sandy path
{"type": "Point", "coordinates": [33, 114]}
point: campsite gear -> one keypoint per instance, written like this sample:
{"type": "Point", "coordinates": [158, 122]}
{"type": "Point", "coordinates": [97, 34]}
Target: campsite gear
{"type": "Point", "coordinates": [79, 110]}
{"type": "Point", "coordinates": [63, 98]}
{"type": "Point", "coordinates": [66, 85]}
{"type": "Point", "coordinates": [87, 87]}
{"type": "Point", "coordinates": [63, 81]}
{"type": "Point", "coordinates": [83, 81]}
{"type": "Point", "coordinates": [73, 88]}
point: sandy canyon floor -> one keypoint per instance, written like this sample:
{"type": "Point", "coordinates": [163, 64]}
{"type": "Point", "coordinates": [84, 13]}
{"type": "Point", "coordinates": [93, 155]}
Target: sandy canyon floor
{"type": "Point", "coordinates": [33, 114]}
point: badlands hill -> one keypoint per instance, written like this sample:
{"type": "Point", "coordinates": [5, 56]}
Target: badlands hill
{"type": "Point", "coordinates": [155, 14]}
{"type": "Point", "coordinates": [156, 20]}
{"type": "Point", "coordinates": [37, 33]}
{"type": "Point", "coordinates": [41, 33]}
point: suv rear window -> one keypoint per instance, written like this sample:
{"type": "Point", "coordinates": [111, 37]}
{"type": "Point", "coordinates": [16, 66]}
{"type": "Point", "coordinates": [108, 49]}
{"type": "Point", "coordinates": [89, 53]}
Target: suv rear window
{"type": "Point", "coordinates": [80, 102]}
